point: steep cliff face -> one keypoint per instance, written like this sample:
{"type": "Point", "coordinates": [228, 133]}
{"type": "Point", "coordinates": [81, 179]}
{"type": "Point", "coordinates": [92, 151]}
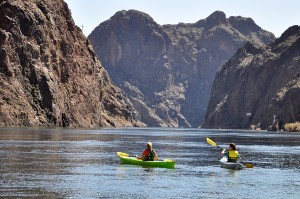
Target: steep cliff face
{"type": "Point", "coordinates": [263, 81]}
{"type": "Point", "coordinates": [49, 73]}
{"type": "Point", "coordinates": [167, 71]}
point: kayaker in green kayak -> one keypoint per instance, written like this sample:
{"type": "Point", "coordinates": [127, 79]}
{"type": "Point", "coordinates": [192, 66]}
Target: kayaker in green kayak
{"type": "Point", "coordinates": [148, 154]}
{"type": "Point", "coordinates": [232, 154]}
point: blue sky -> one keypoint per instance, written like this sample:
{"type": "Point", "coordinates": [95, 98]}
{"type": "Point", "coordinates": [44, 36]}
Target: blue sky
{"type": "Point", "coordinates": [271, 15]}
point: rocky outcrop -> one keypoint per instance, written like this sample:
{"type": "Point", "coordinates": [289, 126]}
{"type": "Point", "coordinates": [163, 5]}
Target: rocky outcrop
{"type": "Point", "coordinates": [167, 71]}
{"type": "Point", "coordinates": [49, 73]}
{"type": "Point", "coordinates": [261, 81]}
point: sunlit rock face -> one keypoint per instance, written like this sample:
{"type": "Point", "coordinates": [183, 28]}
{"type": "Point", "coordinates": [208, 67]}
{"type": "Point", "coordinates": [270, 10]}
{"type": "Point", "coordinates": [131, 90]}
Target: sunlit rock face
{"type": "Point", "coordinates": [257, 85]}
{"type": "Point", "coordinates": [49, 73]}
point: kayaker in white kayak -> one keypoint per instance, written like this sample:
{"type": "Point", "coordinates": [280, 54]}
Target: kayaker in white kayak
{"type": "Point", "coordinates": [148, 154]}
{"type": "Point", "coordinates": [232, 154]}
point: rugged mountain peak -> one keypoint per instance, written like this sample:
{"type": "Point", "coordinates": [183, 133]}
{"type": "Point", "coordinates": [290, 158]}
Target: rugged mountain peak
{"type": "Point", "coordinates": [213, 20]}
{"type": "Point", "coordinates": [167, 71]}
{"type": "Point", "coordinates": [131, 13]}
{"type": "Point", "coordinates": [244, 25]}
{"type": "Point", "coordinates": [240, 28]}
{"type": "Point", "coordinates": [291, 31]}
{"type": "Point", "coordinates": [129, 20]}
{"type": "Point", "coordinates": [287, 38]}
{"type": "Point", "coordinates": [216, 18]}
{"type": "Point", "coordinates": [49, 73]}
{"type": "Point", "coordinates": [133, 36]}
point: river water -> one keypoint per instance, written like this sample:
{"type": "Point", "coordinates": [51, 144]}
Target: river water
{"type": "Point", "coordinates": [78, 163]}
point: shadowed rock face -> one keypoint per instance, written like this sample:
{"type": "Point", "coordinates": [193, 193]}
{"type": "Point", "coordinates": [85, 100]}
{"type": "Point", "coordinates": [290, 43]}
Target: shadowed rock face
{"type": "Point", "coordinates": [167, 71]}
{"type": "Point", "coordinates": [263, 81]}
{"type": "Point", "coordinates": [49, 73]}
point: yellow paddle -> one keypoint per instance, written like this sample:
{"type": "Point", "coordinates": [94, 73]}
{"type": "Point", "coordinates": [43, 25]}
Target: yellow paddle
{"type": "Point", "coordinates": [247, 164]}
{"type": "Point", "coordinates": [212, 143]}
{"type": "Point", "coordinates": [121, 154]}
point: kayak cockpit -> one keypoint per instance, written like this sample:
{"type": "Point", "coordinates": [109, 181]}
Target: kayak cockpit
{"type": "Point", "coordinates": [230, 165]}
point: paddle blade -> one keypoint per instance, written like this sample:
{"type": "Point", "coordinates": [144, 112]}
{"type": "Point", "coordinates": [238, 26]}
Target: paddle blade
{"type": "Point", "coordinates": [249, 165]}
{"type": "Point", "coordinates": [121, 154]}
{"type": "Point", "coordinates": [168, 160]}
{"type": "Point", "coordinates": [209, 141]}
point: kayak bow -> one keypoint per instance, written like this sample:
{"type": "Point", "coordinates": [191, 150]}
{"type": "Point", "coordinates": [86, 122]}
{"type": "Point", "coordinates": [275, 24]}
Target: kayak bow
{"type": "Point", "coordinates": [166, 163]}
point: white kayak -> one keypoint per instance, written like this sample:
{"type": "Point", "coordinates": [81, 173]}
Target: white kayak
{"type": "Point", "coordinates": [230, 165]}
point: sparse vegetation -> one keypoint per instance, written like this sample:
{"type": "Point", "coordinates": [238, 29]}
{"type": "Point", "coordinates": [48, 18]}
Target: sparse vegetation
{"type": "Point", "coordinates": [292, 127]}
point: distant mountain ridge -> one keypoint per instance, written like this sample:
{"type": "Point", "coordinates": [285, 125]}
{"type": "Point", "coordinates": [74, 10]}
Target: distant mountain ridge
{"type": "Point", "coordinates": [49, 73]}
{"type": "Point", "coordinates": [261, 81]}
{"type": "Point", "coordinates": [167, 71]}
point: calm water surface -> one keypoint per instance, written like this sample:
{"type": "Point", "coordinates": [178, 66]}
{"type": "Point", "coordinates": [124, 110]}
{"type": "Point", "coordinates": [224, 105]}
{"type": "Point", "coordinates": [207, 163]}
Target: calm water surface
{"type": "Point", "coordinates": [66, 163]}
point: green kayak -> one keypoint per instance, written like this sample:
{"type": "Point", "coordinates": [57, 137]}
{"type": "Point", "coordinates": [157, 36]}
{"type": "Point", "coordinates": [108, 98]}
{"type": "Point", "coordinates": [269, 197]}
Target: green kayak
{"type": "Point", "coordinates": [166, 163]}
{"type": "Point", "coordinates": [230, 165]}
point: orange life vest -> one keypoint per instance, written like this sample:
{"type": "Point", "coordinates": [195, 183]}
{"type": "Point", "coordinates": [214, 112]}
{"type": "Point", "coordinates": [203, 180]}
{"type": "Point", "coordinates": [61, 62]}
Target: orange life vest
{"type": "Point", "coordinates": [150, 156]}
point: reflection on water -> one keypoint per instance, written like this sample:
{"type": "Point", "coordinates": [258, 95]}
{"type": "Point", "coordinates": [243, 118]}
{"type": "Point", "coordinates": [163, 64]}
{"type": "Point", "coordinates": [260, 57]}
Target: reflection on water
{"type": "Point", "coordinates": [70, 163]}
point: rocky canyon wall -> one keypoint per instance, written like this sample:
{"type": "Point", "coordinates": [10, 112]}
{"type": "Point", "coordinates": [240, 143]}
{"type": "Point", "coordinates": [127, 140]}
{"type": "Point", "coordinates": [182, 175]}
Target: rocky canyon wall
{"type": "Point", "coordinates": [49, 73]}
{"type": "Point", "coordinates": [167, 71]}
{"type": "Point", "coordinates": [261, 81]}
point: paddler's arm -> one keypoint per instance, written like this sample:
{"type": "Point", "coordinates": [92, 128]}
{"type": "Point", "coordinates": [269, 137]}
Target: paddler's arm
{"type": "Point", "coordinates": [239, 158]}
{"type": "Point", "coordinates": [223, 151]}
{"type": "Point", "coordinates": [155, 156]}
{"type": "Point", "coordinates": [141, 158]}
